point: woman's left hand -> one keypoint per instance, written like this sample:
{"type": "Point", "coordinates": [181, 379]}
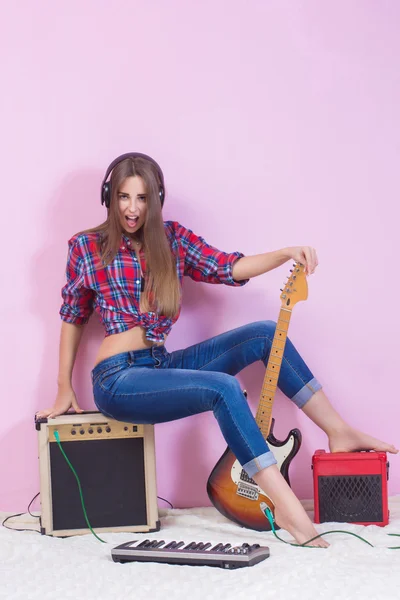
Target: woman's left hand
{"type": "Point", "coordinates": [306, 255]}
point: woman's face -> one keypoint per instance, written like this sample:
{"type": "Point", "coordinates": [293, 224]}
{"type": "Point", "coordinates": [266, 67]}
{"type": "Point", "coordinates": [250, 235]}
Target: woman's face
{"type": "Point", "coordinates": [132, 201]}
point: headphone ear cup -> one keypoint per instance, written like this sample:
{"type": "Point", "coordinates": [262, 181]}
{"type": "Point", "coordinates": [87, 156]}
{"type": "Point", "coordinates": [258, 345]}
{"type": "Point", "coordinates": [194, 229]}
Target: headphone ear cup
{"type": "Point", "coordinates": [106, 194]}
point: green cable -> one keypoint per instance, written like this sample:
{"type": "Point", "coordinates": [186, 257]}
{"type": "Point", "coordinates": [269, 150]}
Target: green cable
{"type": "Point", "coordinates": [267, 512]}
{"type": "Point", "coordinates": [79, 485]}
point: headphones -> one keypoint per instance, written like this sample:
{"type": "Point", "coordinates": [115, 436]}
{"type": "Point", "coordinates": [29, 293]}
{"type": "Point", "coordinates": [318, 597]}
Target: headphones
{"type": "Point", "coordinates": [106, 185]}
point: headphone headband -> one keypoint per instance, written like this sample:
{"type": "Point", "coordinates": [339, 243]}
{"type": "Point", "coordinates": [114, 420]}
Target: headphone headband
{"type": "Point", "coordinates": [106, 185]}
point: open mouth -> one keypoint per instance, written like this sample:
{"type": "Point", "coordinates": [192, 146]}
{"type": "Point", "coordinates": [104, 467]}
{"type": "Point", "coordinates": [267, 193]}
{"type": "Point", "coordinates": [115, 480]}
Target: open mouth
{"type": "Point", "coordinates": [132, 222]}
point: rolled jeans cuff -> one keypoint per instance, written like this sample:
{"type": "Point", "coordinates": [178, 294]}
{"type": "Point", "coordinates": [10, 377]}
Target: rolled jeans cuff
{"type": "Point", "coordinates": [308, 390]}
{"type": "Point", "coordinates": [259, 463]}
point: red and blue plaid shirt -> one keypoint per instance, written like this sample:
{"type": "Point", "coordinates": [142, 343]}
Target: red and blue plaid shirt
{"type": "Point", "coordinates": [114, 291]}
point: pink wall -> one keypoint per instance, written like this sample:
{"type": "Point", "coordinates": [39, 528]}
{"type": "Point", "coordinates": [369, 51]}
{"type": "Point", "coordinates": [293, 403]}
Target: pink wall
{"type": "Point", "coordinates": [276, 123]}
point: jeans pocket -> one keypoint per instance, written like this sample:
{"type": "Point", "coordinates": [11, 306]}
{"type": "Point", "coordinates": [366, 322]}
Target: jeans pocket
{"type": "Point", "coordinates": [95, 378]}
{"type": "Point", "coordinates": [105, 375]}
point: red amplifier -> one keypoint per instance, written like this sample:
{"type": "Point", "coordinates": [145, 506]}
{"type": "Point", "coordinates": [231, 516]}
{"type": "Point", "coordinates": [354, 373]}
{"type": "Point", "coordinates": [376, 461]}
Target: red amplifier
{"type": "Point", "coordinates": [351, 487]}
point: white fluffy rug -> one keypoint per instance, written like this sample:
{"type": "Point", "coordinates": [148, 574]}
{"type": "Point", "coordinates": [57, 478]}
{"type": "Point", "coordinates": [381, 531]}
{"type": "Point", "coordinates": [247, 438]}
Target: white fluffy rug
{"type": "Point", "coordinates": [33, 566]}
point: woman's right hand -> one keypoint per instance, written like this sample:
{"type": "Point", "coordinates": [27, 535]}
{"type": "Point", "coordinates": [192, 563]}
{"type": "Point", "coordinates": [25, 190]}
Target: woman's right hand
{"type": "Point", "coordinates": [65, 399]}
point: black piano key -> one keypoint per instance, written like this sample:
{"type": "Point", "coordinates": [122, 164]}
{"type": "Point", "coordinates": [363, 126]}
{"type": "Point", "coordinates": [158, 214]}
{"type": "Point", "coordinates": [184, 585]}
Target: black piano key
{"type": "Point", "coordinates": [198, 546]}
{"type": "Point", "coordinates": [154, 544]}
{"type": "Point", "coordinates": [160, 543]}
{"type": "Point", "coordinates": [190, 546]}
{"type": "Point", "coordinates": [170, 545]}
{"type": "Point", "coordinates": [225, 548]}
{"type": "Point", "coordinates": [178, 545]}
{"type": "Point", "coordinates": [201, 546]}
{"type": "Point", "coordinates": [207, 545]}
{"type": "Point", "coordinates": [217, 547]}
{"type": "Point", "coordinates": [142, 544]}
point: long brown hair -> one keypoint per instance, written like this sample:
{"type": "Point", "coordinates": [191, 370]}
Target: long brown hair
{"type": "Point", "coordinates": [162, 282]}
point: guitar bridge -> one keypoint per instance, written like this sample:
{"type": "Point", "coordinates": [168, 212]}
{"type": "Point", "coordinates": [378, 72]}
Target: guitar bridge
{"type": "Point", "coordinates": [247, 491]}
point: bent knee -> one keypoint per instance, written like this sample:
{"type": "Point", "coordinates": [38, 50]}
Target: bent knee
{"type": "Point", "coordinates": [229, 391]}
{"type": "Point", "coordinates": [227, 387]}
{"type": "Point", "coordinates": [267, 328]}
{"type": "Point", "coordinates": [228, 382]}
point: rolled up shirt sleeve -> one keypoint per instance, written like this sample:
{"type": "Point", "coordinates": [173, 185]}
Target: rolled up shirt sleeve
{"type": "Point", "coordinates": [206, 263]}
{"type": "Point", "coordinates": [77, 299]}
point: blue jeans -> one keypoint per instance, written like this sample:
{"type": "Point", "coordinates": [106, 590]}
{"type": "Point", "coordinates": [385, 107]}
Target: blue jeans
{"type": "Point", "coordinates": [155, 386]}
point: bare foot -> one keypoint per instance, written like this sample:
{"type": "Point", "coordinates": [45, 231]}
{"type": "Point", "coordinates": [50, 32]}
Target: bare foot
{"type": "Point", "coordinates": [289, 512]}
{"type": "Point", "coordinates": [350, 440]}
{"type": "Point", "coordinates": [299, 525]}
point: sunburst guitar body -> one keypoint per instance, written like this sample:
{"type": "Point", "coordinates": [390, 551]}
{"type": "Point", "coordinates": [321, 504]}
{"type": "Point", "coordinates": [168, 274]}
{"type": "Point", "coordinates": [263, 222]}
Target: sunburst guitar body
{"type": "Point", "coordinates": [233, 493]}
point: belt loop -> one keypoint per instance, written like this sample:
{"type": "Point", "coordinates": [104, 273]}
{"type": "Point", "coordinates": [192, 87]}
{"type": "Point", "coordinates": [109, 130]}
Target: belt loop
{"type": "Point", "coordinates": [131, 359]}
{"type": "Point", "coordinates": [155, 353]}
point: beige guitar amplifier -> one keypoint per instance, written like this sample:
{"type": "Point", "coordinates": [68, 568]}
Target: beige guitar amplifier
{"type": "Point", "coordinates": [115, 463]}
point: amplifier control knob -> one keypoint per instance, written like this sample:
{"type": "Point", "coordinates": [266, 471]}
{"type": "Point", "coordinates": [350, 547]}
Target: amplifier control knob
{"type": "Point", "coordinates": [99, 430]}
{"type": "Point", "coordinates": [108, 429]}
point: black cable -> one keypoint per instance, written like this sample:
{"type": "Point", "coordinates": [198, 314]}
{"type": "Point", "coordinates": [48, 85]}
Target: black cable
{"type": "Point", "coordinates": [159, 497]}
{"type": "Point", "coordinates": [20, 514]}
{"type": "Point", "coordinates": [34, 498]}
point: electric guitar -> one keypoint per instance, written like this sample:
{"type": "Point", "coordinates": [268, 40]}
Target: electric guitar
{"type": "Point", "coordinates": [233, 493]}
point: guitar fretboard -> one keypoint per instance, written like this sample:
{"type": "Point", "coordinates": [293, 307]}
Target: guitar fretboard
{"type": "Point", "coordinates": [264, 411]}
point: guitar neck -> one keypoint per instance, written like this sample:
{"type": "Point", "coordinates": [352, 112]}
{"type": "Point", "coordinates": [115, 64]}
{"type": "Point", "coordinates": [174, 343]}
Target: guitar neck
{"type": "Point", "coordinates": [270, 383]}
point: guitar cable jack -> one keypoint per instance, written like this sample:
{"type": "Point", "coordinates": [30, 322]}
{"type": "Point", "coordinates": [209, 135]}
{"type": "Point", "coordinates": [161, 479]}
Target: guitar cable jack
{"type": "Point", "coordinates": [265, 509]}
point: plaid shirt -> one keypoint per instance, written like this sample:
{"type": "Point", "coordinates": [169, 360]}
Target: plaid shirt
{"type": "Point", "coordinates": [114, 291]}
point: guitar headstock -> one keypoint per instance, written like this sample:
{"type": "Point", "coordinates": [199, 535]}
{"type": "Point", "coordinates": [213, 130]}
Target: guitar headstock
{"type": "Point", "coordinates": [296, 288]}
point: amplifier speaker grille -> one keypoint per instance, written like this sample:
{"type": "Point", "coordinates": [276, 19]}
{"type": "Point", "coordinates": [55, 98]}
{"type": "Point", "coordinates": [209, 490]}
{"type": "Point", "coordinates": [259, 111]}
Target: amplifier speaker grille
{"type": "Point", "coordinates": [348, 498]}
{"type": "Point", "coordinates": [112, 478]}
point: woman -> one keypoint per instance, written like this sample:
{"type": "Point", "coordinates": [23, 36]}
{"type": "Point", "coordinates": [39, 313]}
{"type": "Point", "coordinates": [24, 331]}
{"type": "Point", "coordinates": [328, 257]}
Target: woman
{"type": "Point", "coordinates": [130, 270]}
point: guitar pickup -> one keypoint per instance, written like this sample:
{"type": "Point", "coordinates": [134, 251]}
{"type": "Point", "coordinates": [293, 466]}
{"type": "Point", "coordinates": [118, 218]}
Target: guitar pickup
{"type": "Point", "coordinates": [245, 477]}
